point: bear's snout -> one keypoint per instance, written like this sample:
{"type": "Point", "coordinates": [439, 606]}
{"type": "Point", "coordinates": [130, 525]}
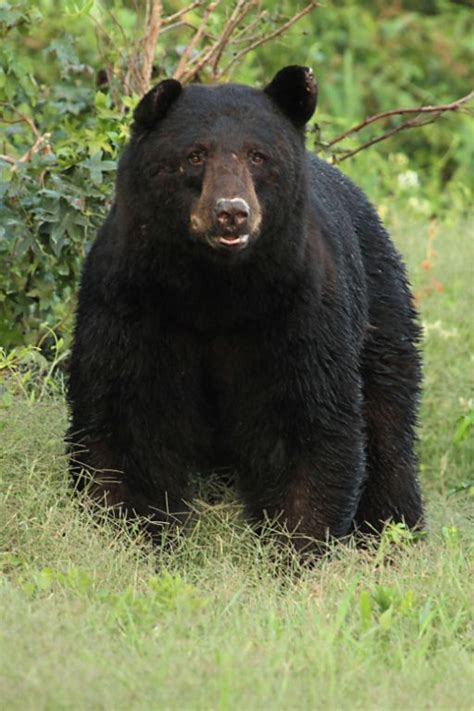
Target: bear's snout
{"type": "Point", "coordinates": [227, 214]}
{"type": "Point", "coordinates": [232, 214]}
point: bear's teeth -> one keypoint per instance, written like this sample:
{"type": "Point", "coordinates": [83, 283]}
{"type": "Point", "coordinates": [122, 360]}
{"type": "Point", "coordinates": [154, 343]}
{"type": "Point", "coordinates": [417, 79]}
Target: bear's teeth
{"type": "Point", "coordinates": [230, 241]}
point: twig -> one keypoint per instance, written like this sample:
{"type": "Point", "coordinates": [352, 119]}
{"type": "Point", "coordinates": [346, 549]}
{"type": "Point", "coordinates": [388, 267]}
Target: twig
{"type": "Point", "coordinates": [117, 24]}
{"type": "Point", "coordinates": [41, 140]}
{"type": "Point", "coordinates": [100, 33]}
{"type": "Point", "coordinates": [412, 123]}
{"type": "Point", "coordinates": [153, 25]}
{"type": "Point", "coordinates": [453, 106]}
{"type": "Point", "coordinates": [242, 9]}
{"type": "Point", "coordinates": [262, 40]}
{"type": "Point", "coordinates": [197, 64]}
{"type": "Point", "coordinates": [179, 72]}
{"type": "Point", "coordinates": [180, 23]}
{"type": "Point", "coordinates": [22, 118]}
{"type": "Point", "coordinates": [8, 159]}
{"type": "Point", "coordinates": [41, 143]}
{"type": "Point", "coordinates": [205, 56]}
{"type": "Point", "coordinates": [243, 34]}
{"type": "Point", "coordinates": [180, 13]}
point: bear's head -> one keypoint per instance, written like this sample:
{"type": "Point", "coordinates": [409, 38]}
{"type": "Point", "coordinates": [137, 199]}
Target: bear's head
{"type": "Point", "coordinates": [215, 169]}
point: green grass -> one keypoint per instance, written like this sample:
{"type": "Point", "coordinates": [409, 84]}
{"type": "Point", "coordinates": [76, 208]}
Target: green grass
{"type": "Point", "coordinates": [93, 618]}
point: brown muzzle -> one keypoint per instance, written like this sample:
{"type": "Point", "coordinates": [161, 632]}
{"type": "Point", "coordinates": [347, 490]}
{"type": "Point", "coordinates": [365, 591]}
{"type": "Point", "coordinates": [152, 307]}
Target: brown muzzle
{"type": "Point", "coordinates": [227, 213]}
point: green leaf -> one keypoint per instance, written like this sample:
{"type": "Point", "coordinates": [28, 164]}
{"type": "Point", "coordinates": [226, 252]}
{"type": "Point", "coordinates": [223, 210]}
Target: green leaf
{"type": "Point", "coordinates": [365, 609]}
{"type": "Point", "coordinates": [464, 427]}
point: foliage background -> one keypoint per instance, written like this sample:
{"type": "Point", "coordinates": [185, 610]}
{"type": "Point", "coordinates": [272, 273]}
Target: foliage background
{"type": "Point", "coordinates": [368, 56]}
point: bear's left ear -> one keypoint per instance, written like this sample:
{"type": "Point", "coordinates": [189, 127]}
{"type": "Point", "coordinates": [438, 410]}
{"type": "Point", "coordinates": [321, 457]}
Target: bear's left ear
{"type": "Point", "coordinates": [295, 91]}
{"type": "Point", "coordinates": [155, 105]}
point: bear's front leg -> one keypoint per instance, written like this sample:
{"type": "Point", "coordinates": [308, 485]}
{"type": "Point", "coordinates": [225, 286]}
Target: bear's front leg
{"type": "Point", "coordinates": [307, 468]}
{"type": "Point", "coordinates": [131, 477]}
{"type": "Point", "coordinates": [137, 429]}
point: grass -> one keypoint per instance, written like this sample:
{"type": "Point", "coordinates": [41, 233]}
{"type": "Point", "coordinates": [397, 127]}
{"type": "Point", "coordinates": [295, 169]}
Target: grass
{"type": "Point", "coordinates": [93, 618]}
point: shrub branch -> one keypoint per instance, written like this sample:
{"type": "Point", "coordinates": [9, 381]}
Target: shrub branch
{"type": "Point", "coordinates": [434, 112]}
{"type": "Point", "coordinates": [267, 38]}
{"type": "Point", "coordinates": [205, 51]}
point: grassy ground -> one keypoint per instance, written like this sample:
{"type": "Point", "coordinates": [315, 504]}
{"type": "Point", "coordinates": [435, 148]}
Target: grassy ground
{"type": "Point", "coordinates": [92, 618]}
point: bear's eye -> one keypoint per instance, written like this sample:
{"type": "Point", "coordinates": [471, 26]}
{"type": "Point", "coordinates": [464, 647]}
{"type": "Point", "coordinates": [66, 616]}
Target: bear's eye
{"type": "Point", "coordinates": [196, 157]}
{"type": "Point", "coordinates": [257, 157]}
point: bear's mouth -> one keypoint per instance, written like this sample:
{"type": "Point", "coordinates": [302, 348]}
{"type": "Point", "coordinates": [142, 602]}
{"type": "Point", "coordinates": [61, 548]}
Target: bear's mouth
{"type": "Point", "coordinates": [229, 241]}
{"type": "Point", "coordinates": [240, 240]}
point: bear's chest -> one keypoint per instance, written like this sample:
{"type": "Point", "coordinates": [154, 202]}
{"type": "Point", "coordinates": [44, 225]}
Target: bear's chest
{"type": "Point", "coordinates": [230, 362]}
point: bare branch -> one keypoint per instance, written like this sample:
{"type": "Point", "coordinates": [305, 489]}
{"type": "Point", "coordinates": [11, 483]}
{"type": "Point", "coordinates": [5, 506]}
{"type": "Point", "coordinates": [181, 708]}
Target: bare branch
{"type": "Point", "coordinates": [117, 25]}
{"type": "Point", "coordinates": [197, 64]}
{"type": "Point", "coordinates": [242, 9]}
{"type": "Point", "coordinates": [412, 123]}
{"type": "Point", "coordinates": [175, 16]}
{"type": "Point", "coordinates": [453, 106]}
{"type": "Point", "coordinates": [8, 159]}
{"type": "Point", "coordinates": [41, 141]}
{"type": "Point", "coordinates": [132, 72]}
{"type": "Point", "coordinates": [100, 35]}
{"type": "Point", "coordinates": [212, 54]}
{"type": "Point", "coordinates": [179, 23]}
{"type": "Point", "coordinates": [263, 40]}
{"type": "Point", "coordinates": [22, 118]}
{"type": "Point", "coordinates": [245, 34]}
{"type": "Point", "coordinates": [153, 26]}
{"type": "Point", "coordinates": [179, 72]}
{"type": "Point", "coordinates": [41, 144]}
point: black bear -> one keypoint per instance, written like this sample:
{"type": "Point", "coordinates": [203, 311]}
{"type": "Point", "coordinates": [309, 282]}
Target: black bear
{"type": "Point", "coordinates": [243, 305]}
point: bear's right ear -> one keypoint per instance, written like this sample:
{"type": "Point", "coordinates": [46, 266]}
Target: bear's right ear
{"type": "Point", "coordinates": [155, 105]}
{"type": "Point", "coordinates": [294, 90]}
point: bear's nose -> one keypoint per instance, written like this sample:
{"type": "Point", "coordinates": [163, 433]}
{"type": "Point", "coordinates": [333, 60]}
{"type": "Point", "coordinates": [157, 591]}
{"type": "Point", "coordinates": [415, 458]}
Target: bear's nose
{"type": "Point", "coordinates": [231, 213]}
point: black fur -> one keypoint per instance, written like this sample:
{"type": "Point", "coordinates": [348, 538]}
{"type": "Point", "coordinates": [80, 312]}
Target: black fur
{"type": "Point", "coordinates": [292, 358]}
